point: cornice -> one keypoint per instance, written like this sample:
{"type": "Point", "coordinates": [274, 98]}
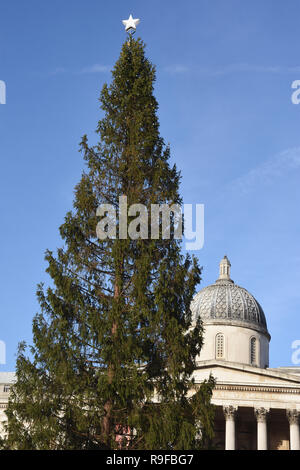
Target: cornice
{"type": "Point", "coordinates": [257, 388]}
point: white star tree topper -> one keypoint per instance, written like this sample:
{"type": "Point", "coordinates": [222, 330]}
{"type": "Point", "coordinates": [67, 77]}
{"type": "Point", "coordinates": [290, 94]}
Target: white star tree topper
{"type": "Point", "coordinates": [130, 24]}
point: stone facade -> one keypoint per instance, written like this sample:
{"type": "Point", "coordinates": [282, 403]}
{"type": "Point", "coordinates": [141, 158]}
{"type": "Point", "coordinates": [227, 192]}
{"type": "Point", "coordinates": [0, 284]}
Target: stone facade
{"type": "Point", "coordinates": [266, 404]}
{"type": "Point", "coordinates": [256, 407]}
{"type": "Point", "coordinates": [6, 381]}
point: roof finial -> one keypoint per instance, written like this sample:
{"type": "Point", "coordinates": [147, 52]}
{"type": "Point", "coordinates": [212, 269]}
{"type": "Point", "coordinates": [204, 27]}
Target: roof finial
{"type": "Point", "coordinates": [225, 269]}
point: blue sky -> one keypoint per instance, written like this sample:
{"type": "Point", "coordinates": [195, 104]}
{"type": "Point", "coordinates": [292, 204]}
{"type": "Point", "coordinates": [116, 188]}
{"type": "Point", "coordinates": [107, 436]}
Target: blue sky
{"type": "Point", "coordinates": [224, 75]}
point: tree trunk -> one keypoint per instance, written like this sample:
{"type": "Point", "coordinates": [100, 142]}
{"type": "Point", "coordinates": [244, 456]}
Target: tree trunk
{"type": "Point", "coordinates": [106, 423]}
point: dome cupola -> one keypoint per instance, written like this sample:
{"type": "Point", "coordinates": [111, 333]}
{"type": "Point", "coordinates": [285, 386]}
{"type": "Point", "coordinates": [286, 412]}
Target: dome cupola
{"type": "Point", "coordinates": [231, 312]}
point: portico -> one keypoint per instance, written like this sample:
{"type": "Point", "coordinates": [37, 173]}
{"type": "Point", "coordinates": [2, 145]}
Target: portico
{"type": "Point", "coordinates": [263, 437]}
{"type": "Point", "coordinates": [254, 429]}
{"type": "Point", "coordinates": [257, 408]}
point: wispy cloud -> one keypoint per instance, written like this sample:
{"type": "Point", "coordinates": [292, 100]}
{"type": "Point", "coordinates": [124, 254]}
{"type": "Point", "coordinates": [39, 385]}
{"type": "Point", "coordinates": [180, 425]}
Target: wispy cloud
{"type": "Point", "coordinates": [58, 71]}
{"type": "Point", "coordinates": [96, 68]}
{"type": "Point", "coordinates": [176, 69]}
{"type": "Point", "coordinates": [248, 68]}
{"type": "Point", "coordinates": [227, 69]}
{"type": "Point", "coordinates": [270, 170]}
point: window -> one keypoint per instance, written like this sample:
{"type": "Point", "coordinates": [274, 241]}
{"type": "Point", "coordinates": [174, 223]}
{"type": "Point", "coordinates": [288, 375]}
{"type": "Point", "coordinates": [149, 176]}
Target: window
{"type": "Point", "coordinates": [219, 346]}
{"type": "Point", "coordinates": [6, 388]}
{"type": "Point", "coordinates": [253, 351]}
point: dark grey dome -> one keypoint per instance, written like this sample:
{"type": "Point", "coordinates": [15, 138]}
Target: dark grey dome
{"type": "Point", "coordinates": [226, 302]}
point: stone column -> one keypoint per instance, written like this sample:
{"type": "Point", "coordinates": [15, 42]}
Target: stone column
{"type": "Point", "coordinates": [262, 434]}
{"type": "Point", "coordinates": [293, 417]}
{"type": "Point", "coordinates": [230, 414]}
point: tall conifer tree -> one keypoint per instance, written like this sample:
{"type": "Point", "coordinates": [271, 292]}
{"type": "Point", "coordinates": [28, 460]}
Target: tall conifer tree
{"type": "Point", "coordinates": [113, 349]}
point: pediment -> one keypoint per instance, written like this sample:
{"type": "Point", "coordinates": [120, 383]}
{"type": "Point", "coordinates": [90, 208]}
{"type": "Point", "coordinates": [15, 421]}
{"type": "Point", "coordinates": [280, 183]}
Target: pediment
{"type": "Point", "coordinates": [240, 374]}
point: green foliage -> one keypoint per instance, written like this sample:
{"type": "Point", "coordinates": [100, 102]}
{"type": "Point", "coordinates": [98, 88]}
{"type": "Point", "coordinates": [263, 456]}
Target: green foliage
{"type": "Point", "coordinates": [113, 343]}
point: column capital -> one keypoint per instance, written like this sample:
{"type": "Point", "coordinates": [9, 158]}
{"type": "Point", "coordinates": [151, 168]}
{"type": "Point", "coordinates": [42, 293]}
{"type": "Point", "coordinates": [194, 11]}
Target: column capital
{"type": "Point", "coordinates": [230, 412]}
{"type": "Point", "coordinates": [261, 414]}
{"type": "Point", "coordinates": [293, 416]}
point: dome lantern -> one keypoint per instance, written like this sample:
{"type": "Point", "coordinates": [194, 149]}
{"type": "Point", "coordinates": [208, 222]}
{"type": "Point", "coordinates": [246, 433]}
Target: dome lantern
{"type": "Point", "coordinates": [225, 266]}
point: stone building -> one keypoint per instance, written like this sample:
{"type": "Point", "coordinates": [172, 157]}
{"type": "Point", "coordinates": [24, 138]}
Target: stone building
{"type": "Point", "coordinates": [257, 407]}
{"type": "Point", "coordinates": [6, 380]}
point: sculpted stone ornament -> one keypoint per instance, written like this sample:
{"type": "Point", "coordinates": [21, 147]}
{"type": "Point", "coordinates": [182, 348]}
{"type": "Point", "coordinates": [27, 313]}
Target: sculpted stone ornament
{"type": "Point", "coordinates": [261, 414]}
{"type": "Point", "coordinates": [230, 412]}
{"type": "Point", "coordinates": [293, 416]}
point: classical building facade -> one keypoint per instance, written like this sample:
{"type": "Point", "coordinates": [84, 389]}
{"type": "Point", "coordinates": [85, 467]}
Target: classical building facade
{"type": "Point", "coordinates": [257, 407]}
{"type": "Point", "coordinates": [6, 381]}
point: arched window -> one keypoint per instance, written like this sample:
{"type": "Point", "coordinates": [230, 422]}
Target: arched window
{"type": "Point", "coordinates": [219, 346]}
{"type": "Point", "coordinates": [253, 351]}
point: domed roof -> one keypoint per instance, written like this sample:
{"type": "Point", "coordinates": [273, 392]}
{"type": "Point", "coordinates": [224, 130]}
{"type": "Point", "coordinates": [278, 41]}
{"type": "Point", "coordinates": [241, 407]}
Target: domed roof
{"type": "Point", "coordinates": [227, 303]}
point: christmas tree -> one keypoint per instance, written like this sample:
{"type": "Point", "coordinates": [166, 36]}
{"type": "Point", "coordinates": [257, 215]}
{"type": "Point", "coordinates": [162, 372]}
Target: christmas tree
{"type": "Point", "coordinates": [114, 346]}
